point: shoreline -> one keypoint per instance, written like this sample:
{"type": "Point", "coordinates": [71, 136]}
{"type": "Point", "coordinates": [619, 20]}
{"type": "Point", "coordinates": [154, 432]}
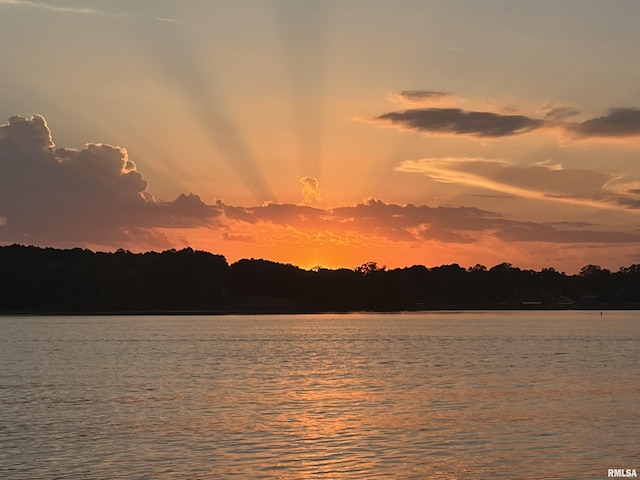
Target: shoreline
{"type": "Point", "coordinates": [242, 312]}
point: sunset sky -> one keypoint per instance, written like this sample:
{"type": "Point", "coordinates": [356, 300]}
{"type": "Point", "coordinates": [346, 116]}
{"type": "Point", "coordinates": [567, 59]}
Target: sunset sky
{"type": "Point", "coordinates": [329, 133]}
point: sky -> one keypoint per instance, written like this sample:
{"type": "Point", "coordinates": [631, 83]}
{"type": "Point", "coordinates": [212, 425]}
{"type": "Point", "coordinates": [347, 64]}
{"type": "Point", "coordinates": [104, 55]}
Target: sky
{"type": "Point", "coordinates": [325, 133]}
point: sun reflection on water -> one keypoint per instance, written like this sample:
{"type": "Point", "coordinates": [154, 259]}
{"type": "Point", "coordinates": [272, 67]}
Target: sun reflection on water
{"type": "Point", "coordinates": [350, 397]}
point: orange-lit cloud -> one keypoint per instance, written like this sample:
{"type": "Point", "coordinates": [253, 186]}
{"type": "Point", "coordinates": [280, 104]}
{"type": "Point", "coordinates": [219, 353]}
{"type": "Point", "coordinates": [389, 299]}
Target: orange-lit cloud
{"type": "Point", "coordinates": [538, 182]}
{"type": "Point", "coordinates": [310, 190]}
{"type": "Point", "coordinates": [96, 197]}
{"type": "Point", "coordinates": [417, 223]}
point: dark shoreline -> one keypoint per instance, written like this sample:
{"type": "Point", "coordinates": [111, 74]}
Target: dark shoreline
{"type": "Point", "coordinates": [48, 281]}
{"type": "Point", "coordinates": [240, 312]}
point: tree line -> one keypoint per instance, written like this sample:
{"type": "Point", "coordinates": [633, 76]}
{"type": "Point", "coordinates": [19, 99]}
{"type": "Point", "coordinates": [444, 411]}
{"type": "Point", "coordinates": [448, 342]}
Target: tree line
{"type": "Point", "coordinates": [48, 280]}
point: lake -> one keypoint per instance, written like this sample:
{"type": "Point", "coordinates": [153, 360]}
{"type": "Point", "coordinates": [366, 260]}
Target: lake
{"type": "Point", "coordinates": [446, 395]}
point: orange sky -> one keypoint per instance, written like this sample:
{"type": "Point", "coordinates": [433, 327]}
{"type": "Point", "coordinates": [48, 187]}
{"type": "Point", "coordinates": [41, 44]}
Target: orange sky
{"type": "Point", "coordinates": [325, 133]}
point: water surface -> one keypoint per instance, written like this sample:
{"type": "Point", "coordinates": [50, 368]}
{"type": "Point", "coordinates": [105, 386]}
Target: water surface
{"type": "Point", "coordinates": [544, 395]}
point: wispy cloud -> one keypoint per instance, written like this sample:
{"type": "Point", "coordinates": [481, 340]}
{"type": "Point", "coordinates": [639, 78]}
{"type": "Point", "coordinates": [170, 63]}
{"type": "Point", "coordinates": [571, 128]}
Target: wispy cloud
{"type": "Point", "coordinates": [557, 112]}
{"type": "Point", "coordinates": [165, 19]}
{"type": "Point", "coordinates": [52, 7]}
{"type": "Point", "coordinates": [538, 182]}
{"type": "Point", "coordinates": [421, 96]}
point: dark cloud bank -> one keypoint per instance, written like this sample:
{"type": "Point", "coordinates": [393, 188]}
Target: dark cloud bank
{"type": "Point", "coordinates": [460, 122]}
{"type": "Point", "coordinates": [64, 196]}
{"type": "Point", "coordinates": [618, 123]}
{"type": "Point", "coordinates": [95, 196]}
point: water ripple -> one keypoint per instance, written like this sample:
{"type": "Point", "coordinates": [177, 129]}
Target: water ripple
{"type": "Point", "coordinates": [349, 397]}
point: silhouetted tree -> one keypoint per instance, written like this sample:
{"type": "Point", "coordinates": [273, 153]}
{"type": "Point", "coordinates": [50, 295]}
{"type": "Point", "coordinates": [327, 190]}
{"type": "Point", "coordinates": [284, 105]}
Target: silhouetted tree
{"type": "Point", "coordinates": [47, 280]}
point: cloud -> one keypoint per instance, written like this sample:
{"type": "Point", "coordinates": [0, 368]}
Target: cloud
{"type": "Point", "coordinates": [532, 232]}
{"type": "Point", "coordinates": [239, 238]}
{"type": "Point", "coordinates": [429, 232]}
{"type": "Point", "coordinates": [461, 122]}
{"type": "Point", "coordinates": [22, 135]}
{"type": "Point", "coordinates": [64, 196]}
{"type": "Point", "coordinates": [277, 213]}
{"type": "Point", "coordinates": [419, 96]}
{"type": "Point", "coordinates": [555, 113]}
{"type": "Point", "coordinates": [371, 218]}
{"type": "Point", "coordinates": [539, 182]}
{"type": "Point", "coordinates": [310, 190]}
{"type": "Point", "coordinates": [96, 196]}
{"type": "Point", "coordinates": [422, 94]}
{"type": "Point", "coordinates": [619, 122]}
{"type": "Point", "coordinates": [374, 220]}
{"type": "Point", "coordinates": [51, 7]}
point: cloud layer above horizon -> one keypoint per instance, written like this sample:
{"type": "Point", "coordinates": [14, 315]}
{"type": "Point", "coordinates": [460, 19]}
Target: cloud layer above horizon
{"type": "Point", "coordinates": [95, 196]}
